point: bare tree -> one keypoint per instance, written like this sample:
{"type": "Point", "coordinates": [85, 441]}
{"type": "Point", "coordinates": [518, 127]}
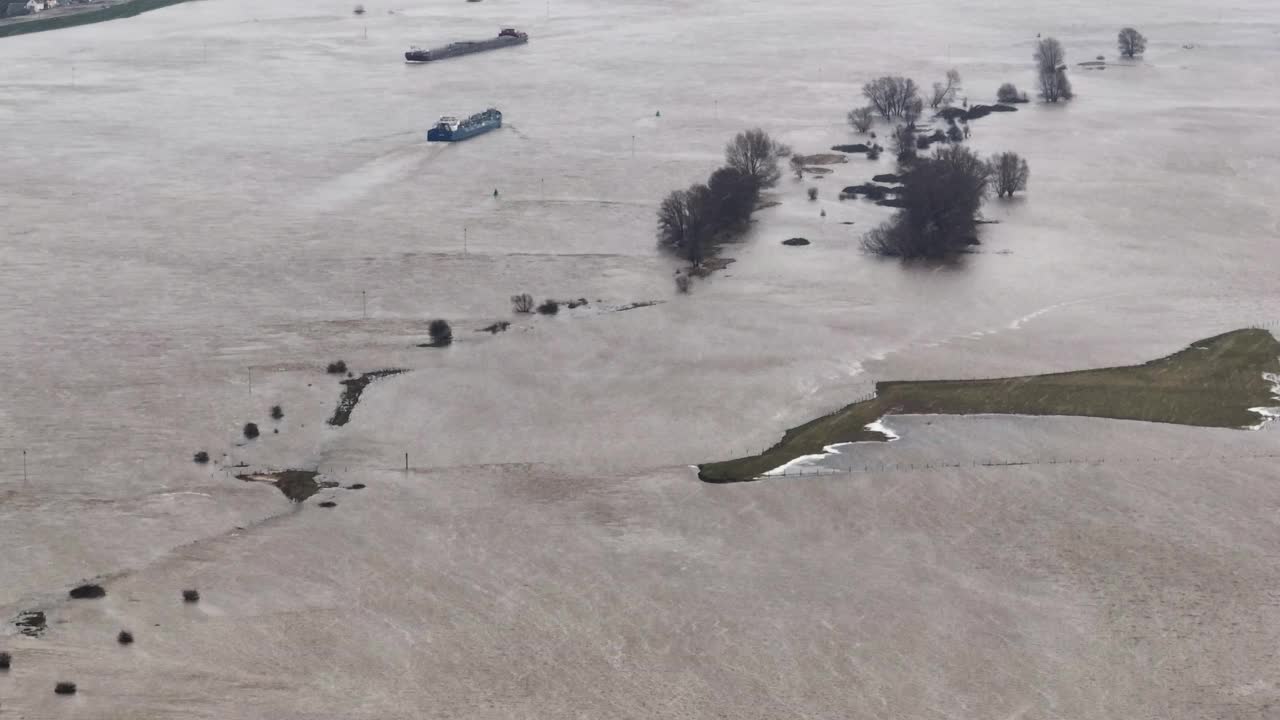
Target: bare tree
{"type": "Point", "coordinates": [941, 196]}
{"type": "Point", "coordinates": [685, 222]}
{"type": "Point", "coordinates": [891, 95]}
{"type": "Point", "coordinates": [733, 197]}
{"type": "Point", "coordinates": [797, 166]}
{"type": "Point", "coordinates": [755, 154]}
{"type": "Point", "coordinates": [861, 119]}
{"type": "Point", "coordinates": [913, 111]}
{"type": "Point", "coordinates": [1009, 172]}
{"type": "Point", "coordinates": [1131, 42]}
{"type": "Point", "coordinates": [945, 93]}
{"type": "Point", "coordinates": [904, 143]}
{"type": "Point", "coordinates": [1051, 66]}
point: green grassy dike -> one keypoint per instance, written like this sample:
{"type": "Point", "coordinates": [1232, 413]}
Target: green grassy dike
{"type": "Point", "coordinates": [1212, 383]}
{"type": "Point", "coordinates": [119, 10]}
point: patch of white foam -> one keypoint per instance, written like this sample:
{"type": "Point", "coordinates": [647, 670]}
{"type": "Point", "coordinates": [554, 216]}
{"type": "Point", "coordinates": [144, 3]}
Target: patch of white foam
{"type": "Point", "coordinates": [829, 450]}
{"type": "Point", "coordinates": [1268, 413]}
{"type": "Point", "coordinates": [880, 427]}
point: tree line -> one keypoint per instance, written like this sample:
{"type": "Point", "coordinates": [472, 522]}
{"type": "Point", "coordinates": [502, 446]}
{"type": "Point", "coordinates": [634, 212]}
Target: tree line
{"type": "Point", "coordinates": [691, 222]}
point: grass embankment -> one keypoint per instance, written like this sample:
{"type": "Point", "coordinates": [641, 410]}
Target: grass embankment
{"type": "Point", "coordinates": [54, 22]}
{"type": "Point", "coordinates": [1212, 383]}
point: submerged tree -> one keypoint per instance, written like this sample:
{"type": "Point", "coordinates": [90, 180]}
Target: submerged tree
{"type": "Point", "coordinates": [1131, 42]}
{"type": "Point", "coordinates": [797, 166]}
{"type": "Point", "coordinates": [1008, 93]}
{"type": "Point", "coordinates": [904, 143]}
{"type": "Point", "coordinates": [684, 221]}
{"type": "Point", "coordinates": [733, 198]}
{"type": "Point", "coordinates": [440, 332]}
{"type": "Point", "coordinates": [1009, 172]}
{"type": "Point", "coordinates": [1051, 67]}
{"type": "Point", "coordinates": [945, 93]}
{"type": "Point", "coordinates": [756, 155]}
{"type": "Point", "coordinates": [861, 119]}
{"type": "Point", "coordinates": [941, 198]}
{"type": "Point", "coordinates": [891, 95]}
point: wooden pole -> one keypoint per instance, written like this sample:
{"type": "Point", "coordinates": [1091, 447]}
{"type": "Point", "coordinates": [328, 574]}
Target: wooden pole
{"type": "Point", "coordinates": [406, 462]}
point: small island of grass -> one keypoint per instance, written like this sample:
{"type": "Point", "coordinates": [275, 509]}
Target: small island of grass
{"type": "Point", "coordinates": [1213, 383]}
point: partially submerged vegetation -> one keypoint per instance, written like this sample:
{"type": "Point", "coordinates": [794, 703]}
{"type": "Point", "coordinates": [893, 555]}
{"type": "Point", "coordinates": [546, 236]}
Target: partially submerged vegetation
{"type": "Point", "coordinates": [351, 395]}
{"type": "Point", "coordinates": [693, 222]}
{"type": "Point", "coordinates": [297, 485]}
{"type": "Point", "coordinates": [88, 591]}
{"type": "Point", "coordinates": [1213, 383]}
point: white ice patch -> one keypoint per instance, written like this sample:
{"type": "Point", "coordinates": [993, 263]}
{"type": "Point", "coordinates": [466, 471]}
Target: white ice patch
{"type": "Point", "coordinates": [1268, 413]}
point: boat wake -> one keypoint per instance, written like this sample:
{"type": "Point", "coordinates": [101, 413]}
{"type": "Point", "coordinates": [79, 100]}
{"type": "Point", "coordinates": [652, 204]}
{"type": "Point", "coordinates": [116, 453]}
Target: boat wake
{"type": "Point", "coordinates": [355, 184]}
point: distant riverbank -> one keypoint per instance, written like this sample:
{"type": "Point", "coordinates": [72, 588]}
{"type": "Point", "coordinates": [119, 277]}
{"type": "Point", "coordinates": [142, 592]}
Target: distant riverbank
{"type": "Point", "coordinates": [73, 15]}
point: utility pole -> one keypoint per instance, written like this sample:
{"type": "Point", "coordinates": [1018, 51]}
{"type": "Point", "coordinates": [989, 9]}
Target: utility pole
{"type": "Point", "coordinates": [633, 146]}
{"type": "Point", "coordinates": [406, 462]}
{"type": "Point", "coordinates": [250, 380]}
{"type": "Point", "coordinates": [364, 305]}
{"type": "Point", "coordinates": [24, 467]}
{"type": "Point", "coordinates": [464, 239]}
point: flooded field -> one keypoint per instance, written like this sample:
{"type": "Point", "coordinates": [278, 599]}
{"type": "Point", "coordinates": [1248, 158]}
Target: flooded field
{"type": "Point", "coordinates": [206, 205]}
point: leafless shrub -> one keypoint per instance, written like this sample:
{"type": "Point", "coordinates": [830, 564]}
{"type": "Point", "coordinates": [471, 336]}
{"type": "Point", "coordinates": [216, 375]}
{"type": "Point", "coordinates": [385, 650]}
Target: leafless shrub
{"type": "Point", "coordinates": [1009, 172]}
{"type": "Point", "coordinates": [945, 93]}
{"type": "Point", "coordinates": [522, 303]}
{"type": "Point", "coordinates": [861, 119]}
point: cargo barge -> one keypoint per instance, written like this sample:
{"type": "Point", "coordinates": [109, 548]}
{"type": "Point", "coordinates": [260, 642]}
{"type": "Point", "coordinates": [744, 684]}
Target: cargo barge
{"type": "Point", "coordinates": [507, 37]}
{"type": "Point", "coordinates": [451, 129]}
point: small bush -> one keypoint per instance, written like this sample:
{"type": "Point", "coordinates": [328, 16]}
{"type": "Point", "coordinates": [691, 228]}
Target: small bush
{"type": "Point", "coordinates": [522, 303]}
{"type": "Point", "coordinates": [328, 504]}
{"type": "Point", "coordinates": [813, 193]}
{"type": "Point", "coordinates": [954, 134]}
{"type": "Point", "coordinates": [357, 486]}
{"type": "Point", "coordinates": [874, 152]}
{"type": "Point", "coordinates": [5, 660]}
{"type": "Point", "coordinates": [88, 592]}
{"type": "Point", "coordinates": [861, 119]}
{"type": "Point", "coordinates": [496, 328]}
{"type": "Point", "coordinates": [1008, 93]}
{"type": "Point", "coordinates": [683, 283]}
{"type": "Point", "coordinates": [550, 307]}
{"type": "Point", "coordinates": [201, 457]}
{"type": "Point", "coordinates": [65, 688]}
{"type": "Point", "coordinates": [125, 637]}
{"type": "Point", "coordinates": [191, 596]}
{"type": "Point", "coordinates": [277, 412]}
{"type": "Point", "coordinates": [338, 367]}
{"type": "Point", "coordinates": [440, 332]}
{"type": "Point", "coordinates": [251, 430]}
